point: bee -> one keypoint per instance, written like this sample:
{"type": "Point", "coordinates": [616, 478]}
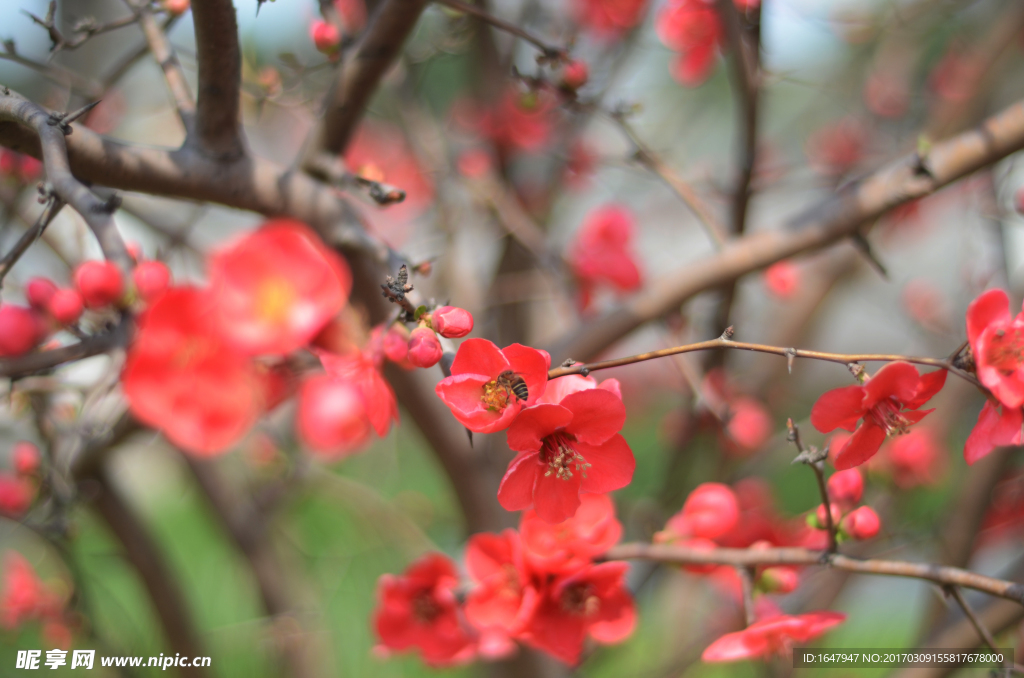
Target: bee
{"type": "Point", "coordinates": [514, 382]}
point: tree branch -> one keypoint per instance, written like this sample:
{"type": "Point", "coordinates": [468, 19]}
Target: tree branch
{"type": "Point", "coordinates": [165, 57]}
{"type": "Point", "coordinates": [549, 51]}
{"type": "Point", "coordinates": [218, 130]}
{"type": "Point", "coordinates": [950, 576]}
{"type": "Point", "coordinates": [833, 219]}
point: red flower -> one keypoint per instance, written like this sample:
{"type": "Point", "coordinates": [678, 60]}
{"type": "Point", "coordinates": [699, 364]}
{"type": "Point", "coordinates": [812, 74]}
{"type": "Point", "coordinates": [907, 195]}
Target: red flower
{"type": "Point", "coordinates": [452, 322]}
{"type": "Point", "coordinates": [15, 495]}
{"type": "Point", "coordinates": [501, 605]}
{"type": "Point", "coordinates": [66, 306]}
{"type": "Point", "coordinates": [771, 636]}
{"type": "Point", "coordinates": [609, 18]}
{"type": "Point", "coordinates": [692, 28]}
{"type": "Point", "coordinates": [519, 122]}
{"type": "Point", "coordinates": [782, 278]}
{"type": "Point", "coordinates": [568, 546]}
{"type": "Point", "coordinates": [277, 287]}
{"type": "Point", "coordinates": [24, 596]}
{"type": "Point", "coordinates": [481, 401]}
{"type": "Point", "coordinates": [997, 341]}
{"type": "Point", "coordinates": [363, 372]}
{"type": "Point", "coordinates": [325, 37]}
{"type": "Point", "coordinates": [593, 601]}
{"type": "Point", "coordinates": [25, 457]}
{"type": "Point", "coordinates": [887, 402]}
{"type": "Point", "coordinates": [419, 610]}
{"type": "Point", "coordinates": [183, 379]}
{"type": "Point", "coordinates": [332, 418]}
{"type": "Point", "coordinates": [566, 449]}
{"type": "Point", "coordinates": [998, 425]}
{"type": "Point", "coordinates": [846, 487]}
{"type": "Point", "coordinates": [601, 252]}
{"type": "Point", "coordinates": [917, 458]}
{"type": "Point", "coordinates": [711, 511]}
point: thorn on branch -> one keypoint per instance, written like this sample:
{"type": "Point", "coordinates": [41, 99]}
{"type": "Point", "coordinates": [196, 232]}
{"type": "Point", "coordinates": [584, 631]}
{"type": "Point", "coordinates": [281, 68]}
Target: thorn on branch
{"type": "Point", "coordinates": [815, 459]}
{"type": "Point", "coordinates": [790, 358]}
{"type": "Point", "coordinates": [568, 362]}
{"type": "Point", "coordinates": [864, 247]}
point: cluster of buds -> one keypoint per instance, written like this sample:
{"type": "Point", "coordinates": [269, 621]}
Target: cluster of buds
{"type": "Point", "coordinates": [25, 598]}
{"type": "Point", "coordinates": [845, 489]}
{"type": "Point", "coordinates": [18, 489]}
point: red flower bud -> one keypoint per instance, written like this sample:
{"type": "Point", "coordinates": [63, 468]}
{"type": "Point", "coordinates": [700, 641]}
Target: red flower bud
{"type": "Point", "coordinates": [782, 279]}
{"type": "Point", "coordinates": [15, 495]}
{"type": "Point", "coordinates": [66, 306]}
{"type": "Point", "coordinates": [424, 347]}
{"type": "Point", "coordinates": [19, 330]}
{"type": "Point", "coordinates": [151, 279]}
{"type": "Point", "coordinates": [176, 7]}
{"type": "Point", "coordinates": [863, 523]}
{"type": "Point", "coordinates": [396, 343]}
{"type": "Point", "coordinates": [846, 487]}
{"type": "Point", "coordinates": [38, 292]}
{"type": "Point", "coordinates": [452, 322]}
{"type": "Point", "coordinates": [100, 283]}
{"type": "Point", "coordinates": [25, 458]}
{"type": "Point", "coordinates": [710, 512]}
{"type": "Point", "coordinates": [779, 579]}
{"type": "Point", "coordinates": [821, 519]}
{"type": "Point", "coordinates": [325, 37]}
{"type": "Point", "coordinates": [575, 75]}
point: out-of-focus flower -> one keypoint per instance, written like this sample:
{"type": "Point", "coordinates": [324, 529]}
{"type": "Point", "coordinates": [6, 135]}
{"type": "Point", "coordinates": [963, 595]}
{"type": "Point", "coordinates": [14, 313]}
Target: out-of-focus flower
{"type": "Point", "coordinates": [325, 37]}
{"type": "Point", "coordinates": [452, 322]}
{"type": "Point", "coordinates": [861, 523]}
{"type": "Point", "coordinates": [782, 278]}
{"type": "Point", "coordinates": [66, 306]}
{"type": "Point", "coordinates": [518, 121]}
{"type": "Point", "coordinates": [183, 379]}
{"type": "Point", "coordinates": [20, 330]}
{"type": "Point", "coordinates": [593, 601]}
{"type": "Point", "coordinates": [776, 635]}
{"type": "Point", "coordinates": [24, 597]}
{"type": "Point", "coordinates": [575, 75]}
{"type": "Point", "coordinates": [837, 147]}
{"type": "Point", "coordinates": [601, 252]}
{"type": "Point", "coordinates": [692, 28]}
{"type": "Point", "coordinates": [926, 305]}
{"type": "Point", "coordinates": [99, 282]}
{"type": "Point", "coordinates": [609, 18]}
{"type": "Point", "coordinates": [276, 288]}
{"type": "Point", "coordinates": [710, 512]}
{"type": "Point", "coordinates": [176, 7]}
{"type": "Point", "coordinates": [360, 370]}
{"type": "Point", "coordinates": [151, 279]}
{"type": "Point", "coordinates": [887, 402]}
{"type": "Point", "coordinates": [917, 458]}
{"type": "Point", "coordinates": [846, 487]}
{"type": "Point", "coordinates": [38, 292]}
{"type": "Point", "coordinates": [956, 77]}
{"type": "Point", "coordinates": [15, 495]}
{"type": "Point", "coordinates": [418, 609]}
{"type": "Point", "coordinates": [25, 458]}
{"type": "Point", "coordinates": [572, 544]}
{"type": "Point", "coordinates": [332, 418]}
{"type": "Point", "coordinates": [749, 426]}
{"type": "Point", "coordinates": [352, 13]}
{"type": "Point", "coordinates": [18, 168]}
{"type": "Point", "coordinates": [580, 164]}
{"type": "Point", "coordinates": [474, 163]}
{"type": "Point", "coordinates": [481, 390]}
{"type": "Point", "coordinates": [501, 605]}
{"type": "Point", "coordinates": [997, 340]}
{"type": "Point", "coordinates": [886, 94]}
{"type": "Point", "coordinates": [566, 449]}
{"type": "Point", "coordinates": [424, 347]}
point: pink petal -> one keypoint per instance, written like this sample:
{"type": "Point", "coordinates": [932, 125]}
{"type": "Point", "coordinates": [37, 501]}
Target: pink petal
{"type": "Point", "coordinates": [597, 415]}
{"type": "Point", "coordinates": [532, 365]}
{"type": "Point", "coordinates": [838, 408]}
{"type": "Point", "coordinates": [556, 499]}
{"type": "Point", "coordinates": [516, 490]}
{"type": "Point", "coordinates": [735, 646]}
{"type": "Point", "coordinates": [930, 384]}
{"type": "Point", "coordinates": [479, 356]}
{"type": "Point", "coordinates": [862, 446]}
{"type": "Point", "coordinates": [619, 618]}
{"type": "Point", "coordinates": [897, 379]}
{"type": "Point", "coordinates": [994, 429]}
{"type": "Point", "coordinates": [991, 307]}
{"type": "Point", "coordinates": [611, 465]}
{"type": "Point", "coordinates": [528, 430]}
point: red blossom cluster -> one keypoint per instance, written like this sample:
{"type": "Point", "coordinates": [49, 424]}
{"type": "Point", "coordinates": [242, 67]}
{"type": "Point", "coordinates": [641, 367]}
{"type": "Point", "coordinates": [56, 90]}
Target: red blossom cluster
{"type": "Point", "coordinates": [743, 422]}
{"type": "Point", "coordinates": [845, 489]}
{"type": "Point", "coordinates": [601, 253]}
{"type": "Point", "coordinates": [26, 599]}
{"type": "Point", "coordinates": [540, 586]}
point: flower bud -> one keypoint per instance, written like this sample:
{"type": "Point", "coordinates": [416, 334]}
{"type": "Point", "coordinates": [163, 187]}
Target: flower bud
{"type": "Point", "coordinates": [99, 282]}
{"type": "Point", "coordinates": [575, 75]}
{"type": "Point", "coordinates": [176, 7]}
{"type": "Point", "coordinates": [15, 495]}
{"type": "Point", "coordinates": [424, 347]}
{"type": "Point", "coordinates": [846, 487]}
{"type": "Point", "coordinates": [25, 458]}
{"type": "Point", "coordinates": [863, 523]}
{"type": "Point", "coordinates": [710, 512]}
{"type": "Point", "coordinates": [20, 330]}
{"type": "Point", "coordinates": [452, 322]}
{"type": "Point", "coordinates": [820, 521]}
{"type": "Point", "coordinates": [38, 292]}
{"type": "Point", "coordinates": [779, 580]}
{"type": "Point", "coordinates": [66, 306]}
{"type": "Point", "coordinates": [325, 37]}
{"type": "Point", "coordinates": [396, 343]}
{"type": "Point", "coordinates": [782, 279]}
{"type": "Point", "coordinates": [151, 279]}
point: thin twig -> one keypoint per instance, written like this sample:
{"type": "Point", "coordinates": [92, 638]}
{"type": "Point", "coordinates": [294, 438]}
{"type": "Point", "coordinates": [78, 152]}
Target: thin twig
{"type": "Point", "coordinates": [980, 627]}
{"type": "Point", "coordinates": [788, 353]}
{"type": "Point", "coordinates": [667, 553]}
{"type": "Point", "coordinates": [50, 211]}
{"type": "Point", "coordinates": [165, 57]}
{"type": "Point", "coordinates": [649, 159]}
{"type": "Point", "coordinates": [816, 460]}
{"type": "Point", "coordinates": [746, 575]}
{"type": "Point", "coordinates": [550, 52]}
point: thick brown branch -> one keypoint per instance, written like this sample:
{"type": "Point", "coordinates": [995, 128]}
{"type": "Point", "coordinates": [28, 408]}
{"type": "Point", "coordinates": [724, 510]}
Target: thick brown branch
{"type": "Point", "coordinates": [97, 214]}
{"type": "Point", "coordinates": [828, 222]}
{"type": "Point", "coordinates": [218, 130]}
{"type": "Point", "coordinates": [358, 78]}
{"type": "Point", "coordinates": [144, 555]}
{"type": "Point", "coordinates": [949, 576]}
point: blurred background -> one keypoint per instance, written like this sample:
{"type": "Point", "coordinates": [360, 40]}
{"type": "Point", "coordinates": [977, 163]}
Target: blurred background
{"type": "Point", "coordinates": [483, 152]}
